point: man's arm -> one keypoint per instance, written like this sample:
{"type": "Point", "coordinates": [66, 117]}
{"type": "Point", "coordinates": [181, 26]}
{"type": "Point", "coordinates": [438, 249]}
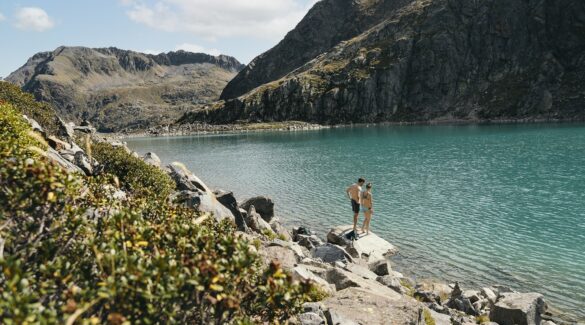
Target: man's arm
{"type": "Point", "coordinates": [347, 192]}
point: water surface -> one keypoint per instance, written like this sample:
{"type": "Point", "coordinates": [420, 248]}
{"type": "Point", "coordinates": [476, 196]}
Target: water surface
{"type": "Point", "coordinates": [479, 204]}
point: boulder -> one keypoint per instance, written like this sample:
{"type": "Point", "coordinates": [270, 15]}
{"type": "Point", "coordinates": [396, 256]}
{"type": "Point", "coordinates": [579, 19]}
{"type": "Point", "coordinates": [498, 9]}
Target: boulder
{"type": "Point", "coordinates": [279, 229]}
{"type": "Point", "coordinates": [282, 255]}
{"type": "Point", "coordinates": [256, 223]}
{"type": "Point", "coordinates": [380, 267]}
{"type": "Point", "coordinates": [315, 307]}
{"type": "Point", "coordinates": [489, 295]}
{"type": "Point", "coordinates": [229, 201]}
{"type": "Point", "coordinates": [519, 308]}
{"type": "Point", "coordinates": [57, 144]}
{"type": "Point", "coordinates": [361, 306]}
{"type": "Point", "coordinates": [296, 248]}
{"type": "Point", "coordinates": [87, 129]}
{"type": "Point", "coordinates": [264, 206]}
{"type": "Point", "coordinates": [439, 318]}
{"type": "Point", "coordinates": [301, 230]}
{"type": "Point", "coordinates": [391, 282]}
{"type": "Point", "coordinates": [152, 159]}
{"type": "Point", "coordinates": [308, 241]}
{"type": "Point", "coordinates": [334, 318]}
{"type": "Point", "coordinates": [361, 271]}
{"type": "Point", "coordinates": [56, 158]}
{"type": "Point", "coordinates": [368, 247]}
{"type": "Point", "coordinates": [82, 161]}
{"type": "Point", "coordinates": [330, 253]}
{"type": "Point", "coordinates": [304, 273]}
{"type": "Point", "coordinates": [65, 130]}
{"type": "Point", "coordinates": [185, 180]}
{"type": "Point", "coordinates": [343, 279]}
{"type": "Point", "coordinates": [33, 124]}
{"type": "Point", "coordinates": [311, 318]}
{"type": "Point", "coordinates": [203, 202]}
{"type": "Point", "coordinates": [473, 295]}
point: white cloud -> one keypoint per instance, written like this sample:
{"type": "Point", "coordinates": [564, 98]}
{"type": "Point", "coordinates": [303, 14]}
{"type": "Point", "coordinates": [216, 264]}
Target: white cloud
{"type": "Point", "coordinates": [197, 49]}
{"type": "Point", "coordinates": [263, 19]}
{"type": "Point", "coordinates": [33, 18]}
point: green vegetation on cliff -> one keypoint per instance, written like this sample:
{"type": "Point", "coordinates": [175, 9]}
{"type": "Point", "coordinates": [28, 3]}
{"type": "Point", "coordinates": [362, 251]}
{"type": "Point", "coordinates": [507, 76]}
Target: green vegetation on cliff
{"type": "Point", "coordinates": [72, 251]}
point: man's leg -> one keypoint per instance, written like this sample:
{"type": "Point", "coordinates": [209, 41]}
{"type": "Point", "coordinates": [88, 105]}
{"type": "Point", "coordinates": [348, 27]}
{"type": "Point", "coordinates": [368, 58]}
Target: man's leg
{"type": "Point", "coordinates": [355, 220]}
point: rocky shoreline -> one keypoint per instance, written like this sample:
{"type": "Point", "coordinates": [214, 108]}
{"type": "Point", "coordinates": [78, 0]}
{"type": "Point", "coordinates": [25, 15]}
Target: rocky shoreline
{"type": "Point", "coordinates": [194, 129]}
{"type": "Point", "coordinates": [356, 275]}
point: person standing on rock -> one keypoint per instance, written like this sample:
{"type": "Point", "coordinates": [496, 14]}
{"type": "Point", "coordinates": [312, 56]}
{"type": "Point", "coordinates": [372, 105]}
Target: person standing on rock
{"type": "Point", "coordinates": [353, 192]}
{"type": "Point", "coordinates": [367, 205]}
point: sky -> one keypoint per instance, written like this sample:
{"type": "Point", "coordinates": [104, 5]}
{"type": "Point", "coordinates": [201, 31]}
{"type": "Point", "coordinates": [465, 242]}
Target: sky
{"type": "Point", "coordinates": [240, 28]}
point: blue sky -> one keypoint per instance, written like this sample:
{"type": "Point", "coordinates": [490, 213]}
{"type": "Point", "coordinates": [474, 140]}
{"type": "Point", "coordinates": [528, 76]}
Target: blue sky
{"type": "Point", "coordinates": [241, 28]}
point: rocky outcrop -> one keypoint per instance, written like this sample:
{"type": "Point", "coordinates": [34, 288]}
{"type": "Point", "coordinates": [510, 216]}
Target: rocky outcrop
{"type": "Point", "coordinates": [434, 60]}
{"type": "Point", "coordinates": [117, 89]}
{"type": "Point", "coordinates": [325, 25]}
{"type": "Point", "coordinates": [264, 206]}
{"type": "Point", "coordinates": [519, 308]}
{"type": "Point", "coordinates": [370, 247]}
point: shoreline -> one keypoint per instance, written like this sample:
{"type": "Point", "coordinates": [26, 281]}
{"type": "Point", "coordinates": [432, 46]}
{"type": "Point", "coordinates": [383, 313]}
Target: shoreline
{"type": "Point", "coordinates": [197, 129]}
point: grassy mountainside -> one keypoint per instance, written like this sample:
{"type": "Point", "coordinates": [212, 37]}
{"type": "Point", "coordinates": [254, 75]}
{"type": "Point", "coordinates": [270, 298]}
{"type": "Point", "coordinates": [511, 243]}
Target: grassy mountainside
{"type": "Point", "coordinates": [117, 89]}
{"type": "Point", "coordinates": [435, 60]}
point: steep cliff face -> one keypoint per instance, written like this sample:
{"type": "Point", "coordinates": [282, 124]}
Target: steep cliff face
{"type": "Point", "coordinates": [325, 25]}
{"type": "Point", "coordinates": [433, 60]}
{"type": "Point", "coordinates": [117, 89]}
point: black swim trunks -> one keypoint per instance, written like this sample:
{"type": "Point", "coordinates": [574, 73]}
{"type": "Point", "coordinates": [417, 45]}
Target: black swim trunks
{"type": "Point", "coordinates": [355, 206]}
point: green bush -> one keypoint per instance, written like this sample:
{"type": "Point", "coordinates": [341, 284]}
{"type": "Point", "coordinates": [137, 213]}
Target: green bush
{"type": "Point", "coordinates": [71, 253]}
{"type": "Point", "coordinates": [133, 172]}
{"type": "Point", "coordinates": [26, 104]}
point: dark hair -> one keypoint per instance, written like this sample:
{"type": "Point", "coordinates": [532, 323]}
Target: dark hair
{"type": "Point", "coordinates": [361, 180]}
{"type": "Point", "coordinates": [369, 185]}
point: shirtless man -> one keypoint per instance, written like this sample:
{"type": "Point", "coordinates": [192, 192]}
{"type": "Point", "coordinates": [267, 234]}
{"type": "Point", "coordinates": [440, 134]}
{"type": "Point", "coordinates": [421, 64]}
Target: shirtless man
{"type": "Point", "coordinates": [353, 192]}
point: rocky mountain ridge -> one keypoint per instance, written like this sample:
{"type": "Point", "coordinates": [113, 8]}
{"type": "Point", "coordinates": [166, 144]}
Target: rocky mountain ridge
{"type": "Point", "coordinates": [434, 60]}
{"type": "Point", "coordinates": [117, 89]}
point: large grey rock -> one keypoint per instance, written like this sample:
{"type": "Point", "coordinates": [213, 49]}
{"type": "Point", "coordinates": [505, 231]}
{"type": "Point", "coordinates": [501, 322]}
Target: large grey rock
{"type": "Point", "coordinates": [362, 306]}
{"type": "Point", "coordinates": [343, 279]}
{"type": "Point", "coordinates": [311, 318]}
{"type": "Point", "coordinates": [391, 282]}
{"type": "Point", "coordinates": [82, 161]}
{"type": "Point", "coordinates": [203, 202]}
{"type": "Point", "coordinates": [284, 256]}
{"type": "Point", "coordinates": [87, 129]}
{"type": "Point", "coordinates": [519, 309]}
{"type": "Point", "coordinates": [279, 229]}
{"type": "Point", "coordinates": [361, 271]}
{"type": "Point", "coordinates": [370, 247]}
{"type": "Point", "coordinates": [330, 253]}
{"type": "Point", "coordinates": [56, 158]}
{"type": "Point", "coordinates": [309, 241]}
{"type": "Point", "coordinates": [152, 159]}
{"type": "Point", "coordinates": [229, 201]}
{"type": "Point", "coordinates": [185, 179]}
{"type": "Point", "coordinates": [315, 307]}
{"type": "Point", "coordinates": [33, 124]}
{"type": "Point", "coordinates": [65, 130]}
{"type": "Point", "coordinates": [489, 295]}
{"type": "Point", "coordinates": [256, 223]}
{"type": "Point", "coordinates": [380, 267]}
{"type": "Point", "coordinates": [334, 318]}
{"type": "Point", "coordinates": [296, 248]}
{"type": "Point", "coordinates": [440, 319]}
{"type": "Point", "coordinates": [264, 206]}
{"type": "Point", "coordinates": [305, 273]}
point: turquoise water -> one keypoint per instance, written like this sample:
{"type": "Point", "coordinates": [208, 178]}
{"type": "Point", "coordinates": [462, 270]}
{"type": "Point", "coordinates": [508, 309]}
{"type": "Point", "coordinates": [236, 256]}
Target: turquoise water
{"type": "Point", "coordinates": [479, 204]}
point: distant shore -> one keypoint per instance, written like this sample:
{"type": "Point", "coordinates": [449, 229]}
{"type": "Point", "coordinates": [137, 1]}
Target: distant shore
{"type": "Point", "coordinates": [291, 126]}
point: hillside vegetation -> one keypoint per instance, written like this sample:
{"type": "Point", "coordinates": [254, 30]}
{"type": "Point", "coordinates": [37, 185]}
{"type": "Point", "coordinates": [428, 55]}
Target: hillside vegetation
{"type": "Point", "coordinates": [111, 248]}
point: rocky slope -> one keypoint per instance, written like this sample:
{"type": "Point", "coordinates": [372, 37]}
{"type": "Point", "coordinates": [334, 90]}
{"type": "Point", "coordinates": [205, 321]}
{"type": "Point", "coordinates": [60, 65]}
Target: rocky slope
{"type": "Point", "coordinates": [434, 60]}
{"type": "Point", "coordinates": [326, 24]}
{"type": "Point", "coordinates": [117, 89]}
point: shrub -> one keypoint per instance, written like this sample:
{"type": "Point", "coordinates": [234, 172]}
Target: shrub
{"type": "Point", "coordinates": [25, 103]}
{"type": "Point", "coordinates": [70, 252]}
{"type": "Point", "coordinates": [133, 172]}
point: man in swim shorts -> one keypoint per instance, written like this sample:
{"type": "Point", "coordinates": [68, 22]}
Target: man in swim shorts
{"type": "Point", "coordinates": [353, 192]}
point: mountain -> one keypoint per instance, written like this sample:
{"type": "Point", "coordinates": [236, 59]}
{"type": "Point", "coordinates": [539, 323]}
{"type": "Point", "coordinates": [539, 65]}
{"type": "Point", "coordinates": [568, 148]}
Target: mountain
{"type": "Point", "coordinates": [324, 26]}
{"type": "Point", "coordinates": [430, 60]}
{"type": "Point", "coordinates": [117, 89]}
